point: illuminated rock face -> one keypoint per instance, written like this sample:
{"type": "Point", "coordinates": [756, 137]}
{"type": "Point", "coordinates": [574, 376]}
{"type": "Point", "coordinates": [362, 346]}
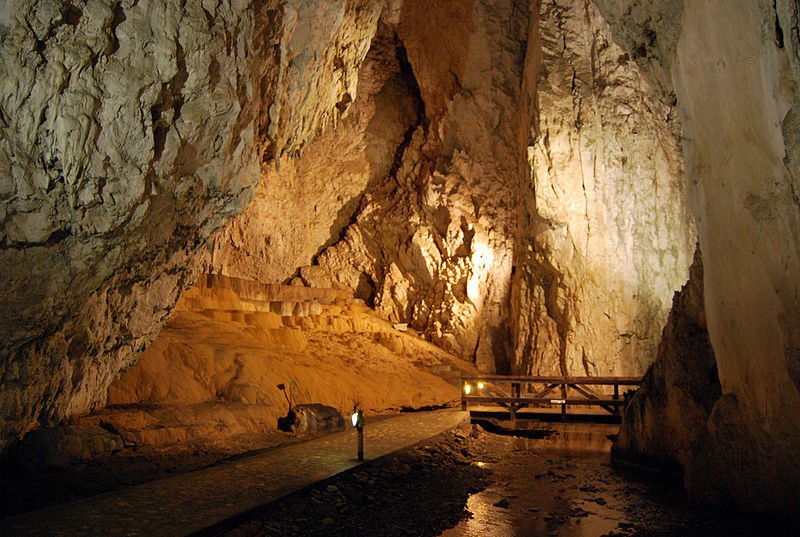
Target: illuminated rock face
{"type": "Point", "coordinates": [131, 133]}
{"type": "Point", "coordinates": [542, 243]}
{"type": "Point", "coordinates": [414, 195]}
{"type": "Point", "coordinates": [735, 75]}
{"type": "Point", "coordinates": [606, 237]}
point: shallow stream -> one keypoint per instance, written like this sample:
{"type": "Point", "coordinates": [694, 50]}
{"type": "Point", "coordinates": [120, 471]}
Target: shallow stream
{"type": "Point", "coordinates": [564, 485]}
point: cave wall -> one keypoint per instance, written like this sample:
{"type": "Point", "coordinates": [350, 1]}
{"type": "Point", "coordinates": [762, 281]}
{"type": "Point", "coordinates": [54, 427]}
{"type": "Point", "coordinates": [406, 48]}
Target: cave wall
{"type": "Point", "coordinates": [735, 72]}
{"type": "Point", "coordinates": [414, 194]}
{"type": "Point", "coordinates": [666, 415]}
{"type": "Point", "coordinates": [131, 132]}
{"type": "Point", "coordinates": [303, 204]}
{"type": "Point", "coordinates": [606, 236]}
{"type": "Point", "coordinates": [439, 187]}
{"type": "Point", "coordinates": [538, 232]}
{"type": "Point", "coordinates": [435, 240]}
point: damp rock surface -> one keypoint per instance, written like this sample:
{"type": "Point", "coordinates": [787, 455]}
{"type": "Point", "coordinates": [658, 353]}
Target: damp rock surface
{"type": "Point", "coordinates": [666, 416]}
{"type": "Point", "coordinates": [734, 76]}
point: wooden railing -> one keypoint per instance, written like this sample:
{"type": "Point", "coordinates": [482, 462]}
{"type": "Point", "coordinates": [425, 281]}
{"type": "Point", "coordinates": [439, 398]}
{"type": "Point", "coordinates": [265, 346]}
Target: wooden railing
{"type": "Point", "coordinates": [516, 393]}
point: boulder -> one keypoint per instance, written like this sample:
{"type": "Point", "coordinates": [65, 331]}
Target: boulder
{"type": "Point", "coordinates": [311, 418]}
{"type": "Point", "coordinates": [65, 445]}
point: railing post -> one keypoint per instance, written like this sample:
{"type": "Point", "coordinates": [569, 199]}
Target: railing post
{"type": "Point", "coordinates": [463, 395]}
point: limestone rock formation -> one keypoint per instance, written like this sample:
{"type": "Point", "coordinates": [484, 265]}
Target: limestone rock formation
{"type": "Point", "coordinates": [414, 195]}
{"type": "Point", "coordinates": [665, 417]}
{"type": "Point", "coordinates": [302, 205]}
{"type": "Point", "coordinates": [606, 236]}
{"type": "Point", "coordinates": [131, 132]}
{"type": "Point", "coordinates": [509, 182]}
{"type": "Point", "coordinates": [214, 369]}
{"type": "Point", "coordinates": [735, 73]}
{"type": "Point", "coordinates": [62, 446]}
{"type": "Point", "coordinates": [416, 210]}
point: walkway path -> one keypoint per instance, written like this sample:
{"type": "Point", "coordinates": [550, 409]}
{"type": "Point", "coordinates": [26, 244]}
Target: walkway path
{"type": "Point", "coordinates": [190, 502]}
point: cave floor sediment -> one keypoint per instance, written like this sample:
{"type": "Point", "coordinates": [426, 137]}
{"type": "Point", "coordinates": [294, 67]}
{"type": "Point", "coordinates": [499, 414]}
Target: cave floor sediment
{"type": "Point", "coordinates": [197, 500]}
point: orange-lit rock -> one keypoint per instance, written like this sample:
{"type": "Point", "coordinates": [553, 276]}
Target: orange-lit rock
{"type": "Point", "coordinates": [131, 133]}
{"type": "Point", "coordinates": [521, 182]}
{"type": "Point", "coordinates": [214, 369]}
{"type": "Point", "coordinates": [667, 414]}
{"type": "Point", "coordinates": [414, 196]}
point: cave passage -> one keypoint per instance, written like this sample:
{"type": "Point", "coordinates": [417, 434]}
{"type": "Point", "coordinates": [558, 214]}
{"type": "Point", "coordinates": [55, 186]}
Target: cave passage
{"type": "Point", "coordinates": [229, 225]}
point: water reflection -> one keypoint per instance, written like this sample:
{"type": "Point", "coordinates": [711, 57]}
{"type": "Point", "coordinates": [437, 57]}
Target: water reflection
{"type": "Point", "coordinates": [487, 519]}
{"type": "Point", "coordinates": [564, 486]}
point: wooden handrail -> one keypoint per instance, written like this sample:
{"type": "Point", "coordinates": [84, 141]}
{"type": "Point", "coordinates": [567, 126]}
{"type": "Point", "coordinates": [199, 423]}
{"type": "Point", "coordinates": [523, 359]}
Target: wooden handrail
{"type": "Point", "coordinates": [620, 381]}
{"type": "Point", "coordinates": [541, 400]}
{"type": "Point", "coordinates": [518, 400]}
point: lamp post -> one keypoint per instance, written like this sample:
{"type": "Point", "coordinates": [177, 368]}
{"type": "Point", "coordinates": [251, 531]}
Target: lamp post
{"type": "Point", "coordinates": [357, 419]}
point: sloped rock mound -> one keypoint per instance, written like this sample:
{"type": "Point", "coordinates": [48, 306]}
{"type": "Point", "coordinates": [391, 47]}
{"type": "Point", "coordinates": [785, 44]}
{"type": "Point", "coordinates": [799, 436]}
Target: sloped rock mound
{"type": "Point", "coordinates": [216, 368]}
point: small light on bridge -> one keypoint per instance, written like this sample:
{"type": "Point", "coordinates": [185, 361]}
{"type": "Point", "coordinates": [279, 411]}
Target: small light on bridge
{"type": "Point", "coordinates": [481, 385]}
{"type": "Point", "coordinates": [557, 401]}
{"type": "Point", "coordinates": [467, 388]}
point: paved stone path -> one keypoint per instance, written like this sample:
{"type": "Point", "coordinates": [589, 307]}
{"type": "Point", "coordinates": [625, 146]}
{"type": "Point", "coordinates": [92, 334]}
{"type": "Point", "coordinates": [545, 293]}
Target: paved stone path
{"type": "Point", "coordinates": [186, 503]}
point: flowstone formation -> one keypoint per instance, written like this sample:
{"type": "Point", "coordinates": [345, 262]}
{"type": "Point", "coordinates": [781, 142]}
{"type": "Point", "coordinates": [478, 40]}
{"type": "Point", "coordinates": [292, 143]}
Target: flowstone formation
{"type": "Point", "coordinates": [605, 234]}
{"type": "Point", "coordinates": [735, 74]}
{"type": "Point", "coordinates": [503, 175]}
{"type": "Point", "coordinates": [131, 132]}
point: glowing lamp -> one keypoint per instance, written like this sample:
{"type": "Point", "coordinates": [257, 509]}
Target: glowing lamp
{"type": "Point", "coordinates": [467, 388]}
{"type": "Point", "coordinates": [357, 419]}
{"type": "Point", "coordinates": [481, 385]}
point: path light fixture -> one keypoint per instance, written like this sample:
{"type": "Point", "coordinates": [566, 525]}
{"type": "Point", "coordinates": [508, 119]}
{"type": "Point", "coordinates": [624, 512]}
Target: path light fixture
{"type": "Point", "coordinates": [481, 385]}
{"type": "Point", "coordinates": [467, 388]}
{"type": "Point", "coordinates": [357, 419]}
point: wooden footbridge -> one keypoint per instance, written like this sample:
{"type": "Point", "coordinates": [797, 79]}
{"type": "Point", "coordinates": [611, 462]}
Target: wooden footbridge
{"type": "Point", "coordinates": [516, 393]}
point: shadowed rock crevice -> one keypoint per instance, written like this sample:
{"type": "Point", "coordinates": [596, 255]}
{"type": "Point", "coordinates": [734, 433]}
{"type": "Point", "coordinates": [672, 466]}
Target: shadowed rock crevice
{"type": "Point", "coordinates": [667, 414]}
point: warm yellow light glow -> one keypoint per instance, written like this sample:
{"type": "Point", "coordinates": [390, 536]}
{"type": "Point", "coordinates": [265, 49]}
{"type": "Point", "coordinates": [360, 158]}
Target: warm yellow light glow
{"type": "Point", "coordinates": [481, 385]}
{"type": "Point", "coordinates": [467, 389]}
{"type": "Point", "coordinates": [354, 419]}
{"type": "Point", "coordinates": [482, 258]}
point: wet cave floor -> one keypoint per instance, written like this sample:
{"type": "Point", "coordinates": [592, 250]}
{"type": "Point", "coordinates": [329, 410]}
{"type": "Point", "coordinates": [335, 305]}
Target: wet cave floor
{"type": "Point", "coordinates": [471, 482]}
